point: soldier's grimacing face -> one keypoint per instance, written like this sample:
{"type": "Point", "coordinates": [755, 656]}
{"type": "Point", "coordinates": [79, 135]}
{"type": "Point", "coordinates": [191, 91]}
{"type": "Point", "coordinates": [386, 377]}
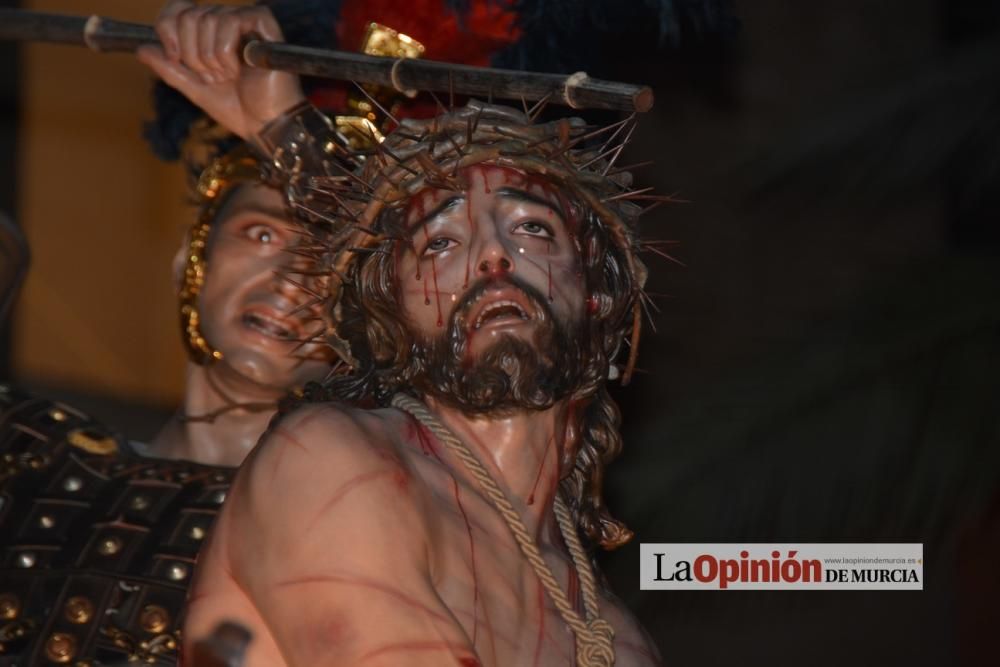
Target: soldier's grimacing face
{"type": "Point", "coordinates": [503, 227]}
{"type": "Point", "coordinates": [244, 305]}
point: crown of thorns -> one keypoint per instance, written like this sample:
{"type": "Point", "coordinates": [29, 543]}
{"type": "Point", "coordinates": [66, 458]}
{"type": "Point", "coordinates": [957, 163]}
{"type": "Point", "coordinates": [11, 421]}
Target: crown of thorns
{"type": "Point", "coordinates": [352, 206]}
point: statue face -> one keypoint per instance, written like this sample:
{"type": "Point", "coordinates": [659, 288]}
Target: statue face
{"type": "Point", "coordinates": [244, 305]}
{"type": "Point", "coordinates": [491, 291]}
{"type": "Point", "coordinates": [473, 253]}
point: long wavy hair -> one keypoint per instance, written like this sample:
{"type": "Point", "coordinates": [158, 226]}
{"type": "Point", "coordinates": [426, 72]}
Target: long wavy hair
{"type": "Point", "coordinates": [365, 289]}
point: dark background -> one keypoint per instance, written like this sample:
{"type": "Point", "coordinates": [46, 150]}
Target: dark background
{"type": "Point", "coordinates": [8, 161]}
{"type": "Point", "coordinates": [825, 366]}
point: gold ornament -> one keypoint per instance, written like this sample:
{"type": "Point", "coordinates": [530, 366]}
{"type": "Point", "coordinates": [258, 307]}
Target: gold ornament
{"type": "Point", "coordinates": [237, 166]}
{"type": "Point", "coordinates": [60, 647]}
{"type": "Point", "coordinates": [79, 610]}
{"type": "Point", "coordinates": [364, 128]}
{"type": "Point", "coordinates": [92, 443]}
{"type": "Point", "coordinates": [10, 606]}
{"type": "Point", "coordinates": [154, 619]}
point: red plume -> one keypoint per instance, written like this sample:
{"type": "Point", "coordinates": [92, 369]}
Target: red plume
{"type": "Point", "coordinates": [486, 27]}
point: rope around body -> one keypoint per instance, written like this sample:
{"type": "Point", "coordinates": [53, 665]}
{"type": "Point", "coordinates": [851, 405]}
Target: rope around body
{"type": "Point", "coordinates": [594, 636]}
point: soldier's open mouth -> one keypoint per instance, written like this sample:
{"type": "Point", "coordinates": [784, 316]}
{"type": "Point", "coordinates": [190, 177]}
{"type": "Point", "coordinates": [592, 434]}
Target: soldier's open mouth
{"type": "Point", "coordinates": [266, 325]}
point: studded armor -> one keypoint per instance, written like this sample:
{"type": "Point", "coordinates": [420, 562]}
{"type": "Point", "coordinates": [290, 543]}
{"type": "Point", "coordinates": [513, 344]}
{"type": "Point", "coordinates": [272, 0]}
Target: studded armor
{"type": "Point", "coordinates": [97, 543]}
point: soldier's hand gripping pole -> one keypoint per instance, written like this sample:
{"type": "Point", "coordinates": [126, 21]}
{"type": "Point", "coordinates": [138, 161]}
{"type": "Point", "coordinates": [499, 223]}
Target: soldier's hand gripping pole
{"type": "Point", "coordinates": [404, 74]}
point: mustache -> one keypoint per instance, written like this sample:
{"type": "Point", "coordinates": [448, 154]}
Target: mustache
{"type": "Point", "coordinates": [463, 308]}
{"type": "Point", "coordinates": [511, 373]}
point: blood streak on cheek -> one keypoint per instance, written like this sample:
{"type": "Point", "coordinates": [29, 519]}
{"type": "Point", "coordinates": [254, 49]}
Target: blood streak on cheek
{"type": "Point", "coordinates": [549, 265]}
{"type": "Point", "coordinates": [568, 210]}
{"type": "Point", "coordinates": [468, 251]}
{"type": "Point", "coordinates": [427, 297]}
{"type": "Point", "coordinates": [469, 662]}
{"type": "Point", "coordinates": [437, 292]}
{"type": "Point", "coordinates": [417, 212]}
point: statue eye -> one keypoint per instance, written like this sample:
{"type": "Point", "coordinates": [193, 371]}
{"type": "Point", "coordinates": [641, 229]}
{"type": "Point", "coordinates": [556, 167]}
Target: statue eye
{"type": "Point", "coordinates": [534, 228]}
{"type": "Point", "coordinates": [439, 244]}
{"type": "Point", "coordinates": [262, 234]}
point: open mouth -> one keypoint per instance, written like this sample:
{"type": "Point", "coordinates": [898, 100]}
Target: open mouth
{"type": "Point", "coordinates": [501, 310]}
{"type": "Point", "coordinates": [267, 325]}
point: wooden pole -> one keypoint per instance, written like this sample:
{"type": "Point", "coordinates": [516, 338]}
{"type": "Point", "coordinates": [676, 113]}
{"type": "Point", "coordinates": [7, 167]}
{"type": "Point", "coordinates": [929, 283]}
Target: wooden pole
{"type": "Point", "coordinates": [578, 90]}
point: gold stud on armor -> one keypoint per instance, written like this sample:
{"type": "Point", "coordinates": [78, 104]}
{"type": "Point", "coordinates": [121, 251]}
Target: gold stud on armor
{"type": "Point", "coordinates": [92, 443]}
{"type": "Point", "coordinates": [26, 559]}
{"type": "Point", "coordinates": [197, 533]}
{"type": "Point", "coordinates": [177, 571]}
{"type": "Point", "coordinates": [79, 610]}
{"type": "Point", "coordinates": [154, 619]}
{"type": "Point", "coordinates": [73, 484]}
{"type": "Point", "coordinates": [110, 546]}
{"type": "Point", "coordinates": [139, 503]}
{"type": "Point", "coordinates": [60, 648]}
{"type": "Point", "coordinates": [46, 521]}
{"type": "Point", "coordinates": [10, 606]}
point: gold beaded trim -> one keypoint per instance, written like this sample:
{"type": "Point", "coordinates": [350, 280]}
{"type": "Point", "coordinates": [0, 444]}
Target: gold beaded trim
{"type": "Point", "coordinates": [237, 166]}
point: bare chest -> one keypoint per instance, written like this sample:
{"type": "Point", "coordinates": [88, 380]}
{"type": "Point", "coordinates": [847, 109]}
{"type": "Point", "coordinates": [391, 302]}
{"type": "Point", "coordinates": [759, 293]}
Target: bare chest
{"type": "Point", "coordinates": [488, 584]}
{"type": "Point", "coordinates": [490, 588]}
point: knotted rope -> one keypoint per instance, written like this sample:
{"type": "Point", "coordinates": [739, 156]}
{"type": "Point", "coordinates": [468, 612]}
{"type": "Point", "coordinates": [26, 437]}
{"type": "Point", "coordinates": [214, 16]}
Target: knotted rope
{"type": "Point", "coordinates": [594, 636]}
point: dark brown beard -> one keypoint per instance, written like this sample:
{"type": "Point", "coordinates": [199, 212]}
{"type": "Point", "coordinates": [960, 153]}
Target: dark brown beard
{"type": "Point", "coordinates": [511, 374]}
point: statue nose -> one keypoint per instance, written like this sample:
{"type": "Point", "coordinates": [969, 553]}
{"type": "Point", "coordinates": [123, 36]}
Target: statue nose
{"type": "Point", "coordinates": [500, 266]}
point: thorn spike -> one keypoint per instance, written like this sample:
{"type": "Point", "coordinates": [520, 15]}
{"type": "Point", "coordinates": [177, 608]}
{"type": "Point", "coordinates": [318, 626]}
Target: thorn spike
{"type": "Point", "coordinates": [621, 147]}
{"type": "Point", "coordinates": [539, 107]}
{"type": "Point", "coordinates": [618, 128]}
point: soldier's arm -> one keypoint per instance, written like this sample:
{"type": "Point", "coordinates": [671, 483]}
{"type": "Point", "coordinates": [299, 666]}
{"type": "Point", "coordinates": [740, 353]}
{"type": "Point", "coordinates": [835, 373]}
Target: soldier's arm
{"type": "Point", "coordinates": [321, 553]}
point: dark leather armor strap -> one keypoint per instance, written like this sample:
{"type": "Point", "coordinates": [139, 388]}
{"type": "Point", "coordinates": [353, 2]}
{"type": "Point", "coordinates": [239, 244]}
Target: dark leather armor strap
{"type": "Point", "coordinates": [302, 148]}
{"type": "Point", "coordinates": [97, 543]}
{"type": "Point", "coordinates": [301, 145]}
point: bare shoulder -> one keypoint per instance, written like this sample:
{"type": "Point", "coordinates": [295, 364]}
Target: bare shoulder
{"type": "Point", "coordinates": [324, 543]}
{"type": "Point", "coordinates": [325, 430]}
{"type": "Point", "coordinates": [322, 441]}
{"type": "Point", "coordinates": [320, 473]}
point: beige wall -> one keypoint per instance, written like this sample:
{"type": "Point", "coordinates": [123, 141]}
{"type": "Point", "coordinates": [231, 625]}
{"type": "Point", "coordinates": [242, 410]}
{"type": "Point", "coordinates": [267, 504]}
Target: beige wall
{"type": "Point", "coordinates": [103, 218]}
